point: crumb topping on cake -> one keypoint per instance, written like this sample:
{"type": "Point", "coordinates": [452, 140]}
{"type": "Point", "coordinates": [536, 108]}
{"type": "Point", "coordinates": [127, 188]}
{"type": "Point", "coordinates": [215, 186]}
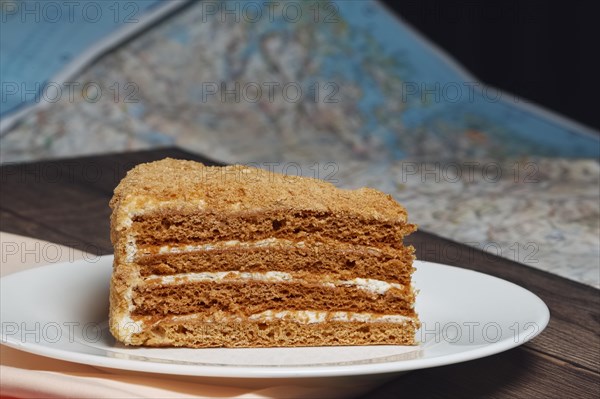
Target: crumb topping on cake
{"type": "Point", "coordinates": [244, 188]}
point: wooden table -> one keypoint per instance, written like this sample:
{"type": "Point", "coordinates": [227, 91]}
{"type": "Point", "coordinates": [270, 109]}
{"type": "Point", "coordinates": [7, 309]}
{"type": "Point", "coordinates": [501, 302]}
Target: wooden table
{"type": "Point", "coordinates": [66, 202]}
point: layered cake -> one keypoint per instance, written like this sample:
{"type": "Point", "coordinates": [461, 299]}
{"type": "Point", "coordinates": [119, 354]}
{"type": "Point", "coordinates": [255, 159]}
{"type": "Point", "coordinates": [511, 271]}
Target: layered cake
{"type": "Point", "coordinates": [241, 257]}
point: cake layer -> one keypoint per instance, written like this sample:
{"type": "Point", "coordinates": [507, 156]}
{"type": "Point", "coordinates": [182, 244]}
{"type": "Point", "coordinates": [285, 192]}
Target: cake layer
{"type": "Point", "coordinates": [251, 333]}
{"type": "Point", "coordinates": [342, 260]}
{"type": "Point", "coordinates": [251, 296]}
{"type": "Point", "coordinates": [167, 227]}
{"type": "Point", "coordinates": [183, 185]}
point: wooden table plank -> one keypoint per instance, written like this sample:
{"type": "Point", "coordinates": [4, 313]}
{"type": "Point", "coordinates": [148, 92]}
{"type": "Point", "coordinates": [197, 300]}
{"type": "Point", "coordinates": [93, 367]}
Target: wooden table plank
{"type": "Point", "coordinates": [99, 173]}
{"type": "Point", "coordinates": [69, 209]}
{"type": "Point", "coordinates": [14, 223]}
{"type": "Point", "coordinates": [66, 201]}
{"type": "Point", "coordinates": [518, 373]}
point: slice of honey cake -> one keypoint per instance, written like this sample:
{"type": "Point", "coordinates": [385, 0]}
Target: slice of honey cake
{"type": "Point", "coordinates": [241, 257]}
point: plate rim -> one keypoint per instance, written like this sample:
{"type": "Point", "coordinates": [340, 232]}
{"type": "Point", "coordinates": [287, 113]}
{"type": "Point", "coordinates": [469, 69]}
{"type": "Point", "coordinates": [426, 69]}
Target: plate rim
{"type": "Point", "coordinates": [300, 371]}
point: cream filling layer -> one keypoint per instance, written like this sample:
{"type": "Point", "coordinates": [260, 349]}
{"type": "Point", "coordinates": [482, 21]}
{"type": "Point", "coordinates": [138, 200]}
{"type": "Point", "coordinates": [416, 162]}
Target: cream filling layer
{"type": "Point", "coordinates": [315, 316]}
{"type": "Point", "coordinates": [131, 327]}
{"type": "Point", "coordinates": [267, 242]}
{"type": "Point", "coordinates": [299, 316]}
{"type": "Point", "coordinates": [367, 284]}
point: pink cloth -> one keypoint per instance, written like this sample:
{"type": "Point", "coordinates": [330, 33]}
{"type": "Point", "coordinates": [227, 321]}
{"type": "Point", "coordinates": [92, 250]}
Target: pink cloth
{"type": "Point", "coordinates": [25, 375]}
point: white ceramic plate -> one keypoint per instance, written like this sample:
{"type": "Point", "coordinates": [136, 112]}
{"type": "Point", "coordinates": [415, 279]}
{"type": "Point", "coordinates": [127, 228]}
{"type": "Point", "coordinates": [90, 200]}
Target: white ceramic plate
{"type": "Point", "coordinates": [60, 311]}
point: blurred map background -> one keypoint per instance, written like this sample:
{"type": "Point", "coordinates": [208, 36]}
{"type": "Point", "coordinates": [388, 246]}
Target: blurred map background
{"type": "Point", "coordinates": [339, 90]}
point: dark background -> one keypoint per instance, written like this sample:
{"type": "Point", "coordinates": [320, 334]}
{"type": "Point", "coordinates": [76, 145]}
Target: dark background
{"type": "Point", "coordinates": [543, 51]}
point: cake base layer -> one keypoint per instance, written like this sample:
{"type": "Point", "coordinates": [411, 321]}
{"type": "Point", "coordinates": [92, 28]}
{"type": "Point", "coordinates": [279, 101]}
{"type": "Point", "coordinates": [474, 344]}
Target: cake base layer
{"type": "Point", "coordinates": [277, 333]}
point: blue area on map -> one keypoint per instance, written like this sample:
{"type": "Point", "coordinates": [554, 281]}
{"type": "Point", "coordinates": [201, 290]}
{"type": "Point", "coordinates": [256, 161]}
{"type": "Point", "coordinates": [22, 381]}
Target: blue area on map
{"type": "Point", "coordinates": [37, 40]}
{"type": "Point", "coordinates": [527, 133]}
